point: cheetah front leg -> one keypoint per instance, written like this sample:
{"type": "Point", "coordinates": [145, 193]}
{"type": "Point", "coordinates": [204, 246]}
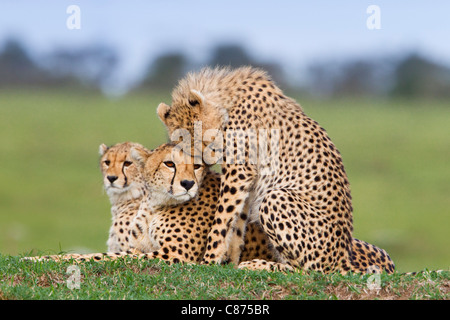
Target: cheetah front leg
{"type": "Point", "coordinates": [236, 184]}
{"type": "Point", "coordinates": [140, 227]}
{"type": "Point", "coordinates": [237, 242]}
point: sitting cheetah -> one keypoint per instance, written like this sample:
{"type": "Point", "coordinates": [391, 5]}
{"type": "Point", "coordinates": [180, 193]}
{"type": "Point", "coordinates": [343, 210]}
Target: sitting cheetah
{"type": "Point", "coordinates": [152, 216]}
{"type": "Point", "coordinates": [298, 192]}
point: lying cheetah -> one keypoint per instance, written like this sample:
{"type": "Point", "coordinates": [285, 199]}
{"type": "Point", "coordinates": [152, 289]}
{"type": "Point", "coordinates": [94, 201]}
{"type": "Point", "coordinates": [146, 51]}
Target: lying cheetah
{"type": "Point", "coordinates": [298, 191]}
{"type": "Point", "coordinates": [162, 206]}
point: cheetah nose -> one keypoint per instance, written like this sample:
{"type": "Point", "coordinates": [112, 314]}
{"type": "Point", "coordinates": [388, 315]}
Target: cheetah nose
{"type": "Point", "coordinates": [187, 184]}
{"type": "Point", "coordinates": [112, 178]}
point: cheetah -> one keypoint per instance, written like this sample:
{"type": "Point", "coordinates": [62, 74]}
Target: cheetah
{"type": "Point", "coordinates": [125, 187]}
{"type": "Point", "coordinates": [297, 190]}
{"type": "Point", "coordinates": [162, 207]}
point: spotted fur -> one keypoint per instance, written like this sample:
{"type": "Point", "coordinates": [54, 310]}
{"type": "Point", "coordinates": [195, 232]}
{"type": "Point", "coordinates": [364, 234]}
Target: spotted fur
{"type": "Point", "coordinates": [300, 196]}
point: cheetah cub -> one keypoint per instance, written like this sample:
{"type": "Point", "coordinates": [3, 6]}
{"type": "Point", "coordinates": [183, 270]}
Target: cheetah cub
{"type": "Point", "coordinates": [125, 186]}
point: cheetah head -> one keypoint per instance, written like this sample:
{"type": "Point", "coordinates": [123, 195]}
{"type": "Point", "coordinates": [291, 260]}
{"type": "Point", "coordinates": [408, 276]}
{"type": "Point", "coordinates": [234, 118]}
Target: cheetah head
{"type": "Point", "coordinates": [197, 104]}
{"type": "Point", "coordinates": [122, 178]}
{"type": "Point", "coordinates": [172, 176]}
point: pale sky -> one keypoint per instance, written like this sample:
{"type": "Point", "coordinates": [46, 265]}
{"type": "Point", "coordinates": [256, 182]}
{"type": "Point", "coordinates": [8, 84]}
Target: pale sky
{"type": "Point", "coordinates": [295, 33]}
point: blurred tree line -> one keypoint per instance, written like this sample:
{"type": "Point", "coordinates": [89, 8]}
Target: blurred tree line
{"type": "Point", "coordinates": [88, 68]}
{"type": "Point", "coordinates": [409, 76]}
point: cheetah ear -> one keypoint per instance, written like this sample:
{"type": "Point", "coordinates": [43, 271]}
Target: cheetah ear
{"type": "Point", "coordinates": [163, 111]}
{"type": "Point", "coordinates": [139, 155]}
{"type": "Point", "coordinates": [102, 149]}
{"type": "Point", "coordinates": [196, 98]}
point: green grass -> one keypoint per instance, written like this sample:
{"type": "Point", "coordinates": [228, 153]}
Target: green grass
{"type": "Point", "coordinates": [396, 154]}
{"type": "Point", "coordinates": [134, 279]}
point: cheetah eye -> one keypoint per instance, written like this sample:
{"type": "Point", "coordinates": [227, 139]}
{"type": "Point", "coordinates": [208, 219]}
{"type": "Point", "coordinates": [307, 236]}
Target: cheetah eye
{"type": "Point", "coordinates": [197, 166]}
{"type": "Point", "coordinates": [193, 103]}
{"type": "Point", "coordinates": [127, 163]}
{"type": "Point", "coordinates": [169, 164]}
{"type": "Point", "coordinates": [107, 162]}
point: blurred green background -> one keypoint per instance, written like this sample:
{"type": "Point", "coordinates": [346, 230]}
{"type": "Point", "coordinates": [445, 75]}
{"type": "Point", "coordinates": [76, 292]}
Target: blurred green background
{"type": "Point", "coordinates": [63, 92]}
